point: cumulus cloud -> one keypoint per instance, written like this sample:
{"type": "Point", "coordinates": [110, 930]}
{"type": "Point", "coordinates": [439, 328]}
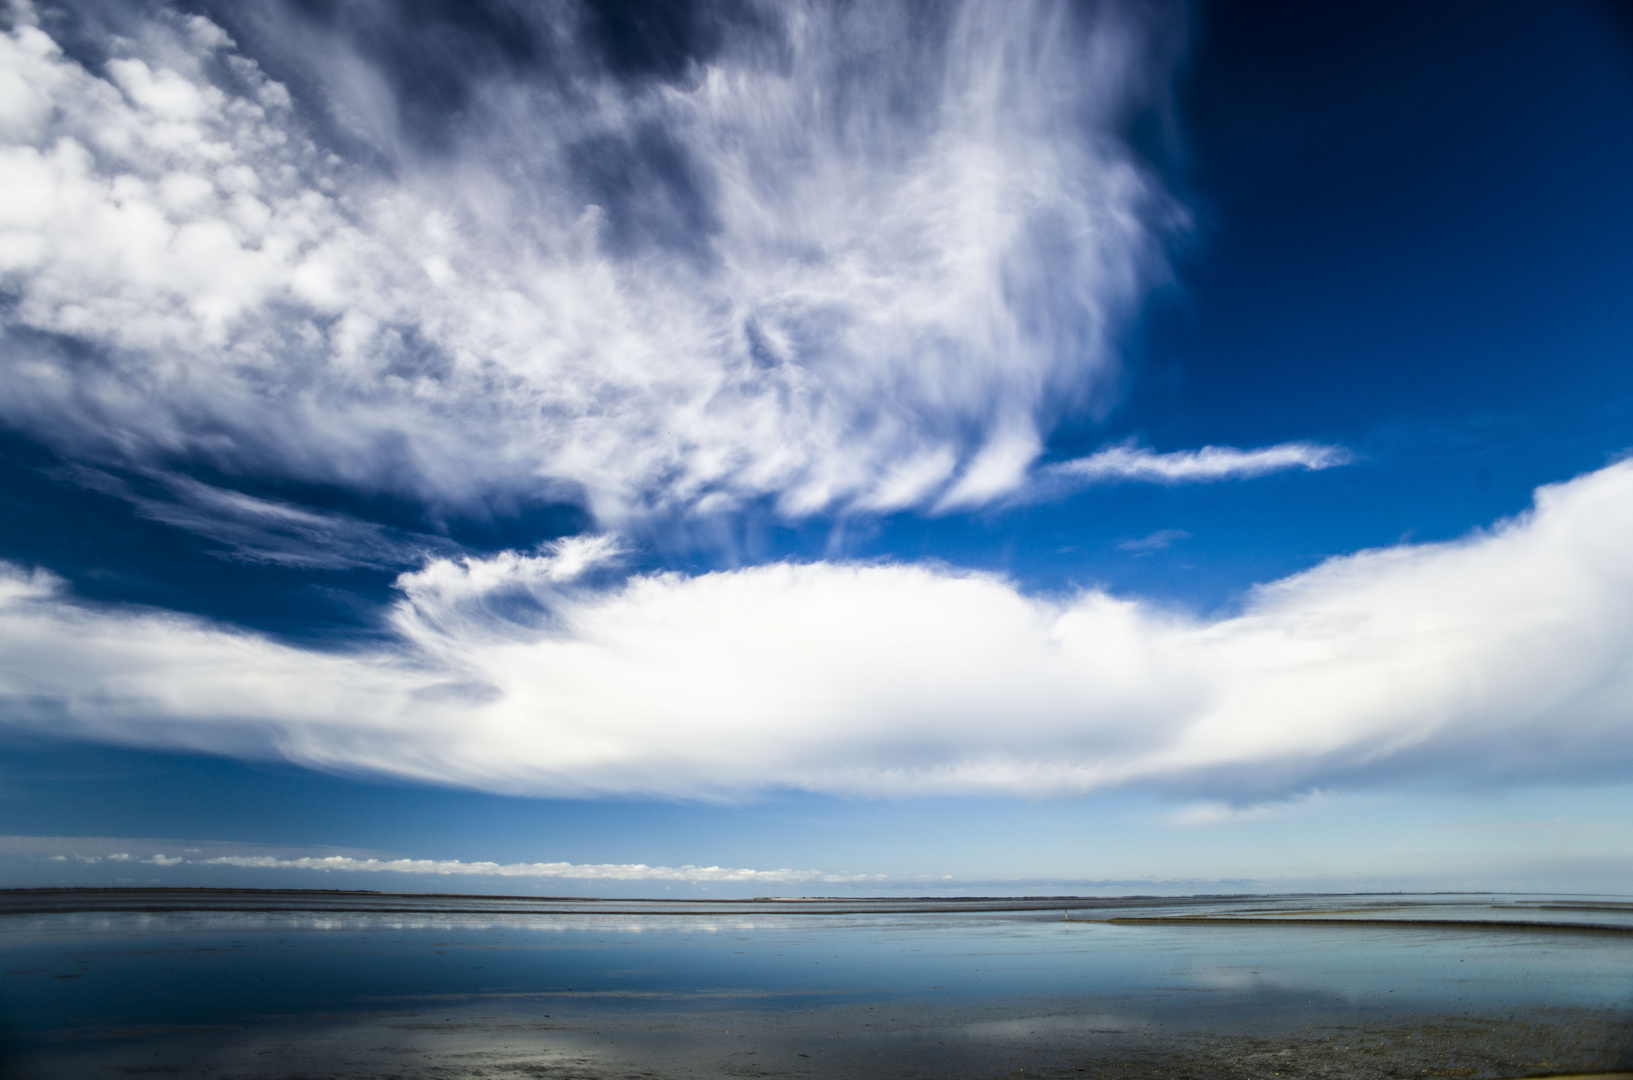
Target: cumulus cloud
{"type": "Point", "coordinates": [1507, 654]}
{"type": "Point", "coordinates": [849, 256]}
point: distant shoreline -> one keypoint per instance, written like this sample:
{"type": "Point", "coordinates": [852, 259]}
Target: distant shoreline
{"type": "Point", "coordinates": [1120, 911]}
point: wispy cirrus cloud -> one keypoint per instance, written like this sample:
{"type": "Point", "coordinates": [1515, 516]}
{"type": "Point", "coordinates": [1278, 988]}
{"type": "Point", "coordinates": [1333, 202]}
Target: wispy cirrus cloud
{"type": "Point", "coordinates": [251, 528]}
{"type": "Point", "coordinates": [844, 256]}
{"type": "Point", "coordinates": [1161, 540]}
{"type": "Point", "coordinates": [1505, 655]}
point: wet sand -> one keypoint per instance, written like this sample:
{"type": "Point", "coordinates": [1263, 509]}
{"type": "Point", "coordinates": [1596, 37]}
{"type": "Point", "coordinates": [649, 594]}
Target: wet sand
{"type": "Point", "coordinates": [584, 1043]}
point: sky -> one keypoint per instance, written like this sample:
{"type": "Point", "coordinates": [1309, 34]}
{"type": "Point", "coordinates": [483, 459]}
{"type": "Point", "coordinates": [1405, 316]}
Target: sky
{"type": "Point", "coordinates": [748, 448]}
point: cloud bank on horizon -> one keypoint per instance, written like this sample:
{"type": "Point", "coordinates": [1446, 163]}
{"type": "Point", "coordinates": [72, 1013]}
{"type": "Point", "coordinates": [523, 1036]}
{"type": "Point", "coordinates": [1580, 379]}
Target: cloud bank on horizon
{"type": "Point", "coordinates": [1506, 656]}
{"type": "Point", "coordinates": [126, 851]}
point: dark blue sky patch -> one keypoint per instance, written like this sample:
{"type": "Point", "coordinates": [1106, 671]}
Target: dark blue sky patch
{"type": "Point", "coordinates": [664, 41]}
{"type": "Point", "coordinates": [1404, 211]}
{"type": "Point", "coordinates": [112, 554]}
{"type": "Point", "coordinates": [654, 197]}
{"type": "Point", "coordinates": [435, 54]}
{"type": "Point", "coordinates": [124, 537]}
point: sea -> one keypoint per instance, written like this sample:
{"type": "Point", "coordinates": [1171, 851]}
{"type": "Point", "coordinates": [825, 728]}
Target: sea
{"type": "Point", "coordinates": [284, 984]}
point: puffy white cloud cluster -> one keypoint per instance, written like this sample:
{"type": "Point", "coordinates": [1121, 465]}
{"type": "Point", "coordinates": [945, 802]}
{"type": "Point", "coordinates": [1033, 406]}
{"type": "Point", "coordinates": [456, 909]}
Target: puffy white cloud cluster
{"type": "Point", "coordinates": [1508, 654]}
{"type": "Point", "coordinates": [855, 257]}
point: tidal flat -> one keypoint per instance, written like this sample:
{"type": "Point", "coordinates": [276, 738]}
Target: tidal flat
{"type": "Point", "coordinates": [280, 984]}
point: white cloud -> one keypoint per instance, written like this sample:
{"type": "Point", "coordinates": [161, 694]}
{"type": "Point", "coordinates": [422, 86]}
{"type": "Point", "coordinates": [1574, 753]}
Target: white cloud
{"type": "Point", "coordinates": [1130, 462]}
{"type": "Point", "coordinates": [1508, 654]}
{"type": "Point", "coordinates": [855, 259]}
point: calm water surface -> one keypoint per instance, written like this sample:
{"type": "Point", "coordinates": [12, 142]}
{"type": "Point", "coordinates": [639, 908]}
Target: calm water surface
{"type": "Point", "coordinates": [219, 985]}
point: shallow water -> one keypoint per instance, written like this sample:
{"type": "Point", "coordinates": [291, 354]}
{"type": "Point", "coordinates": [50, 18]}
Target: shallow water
{"type": "Point", "coordinates": [264, 985]}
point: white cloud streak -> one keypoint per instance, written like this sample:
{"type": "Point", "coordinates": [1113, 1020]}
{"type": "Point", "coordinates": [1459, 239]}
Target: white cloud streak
{"type": "Point", "coordinates": [260, 530]}
{"type": "Point", "coordinates": [1129, 462]}
{"type": "Point", "coordinates": [1161, 540]}
{"type": "Point", "coordinates": [1508, 654]}
{"type": "Point", "coordinates": [853, 258]}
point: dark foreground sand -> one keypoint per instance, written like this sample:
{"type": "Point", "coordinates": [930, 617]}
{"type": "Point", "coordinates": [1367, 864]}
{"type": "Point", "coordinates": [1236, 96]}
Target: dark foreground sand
{"type": "Point", "coordinates": [584, 1042]}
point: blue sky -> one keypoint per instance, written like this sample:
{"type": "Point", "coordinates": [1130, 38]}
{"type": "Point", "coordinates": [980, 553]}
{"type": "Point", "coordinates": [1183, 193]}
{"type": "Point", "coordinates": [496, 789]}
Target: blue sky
{"type": "Point", "coordinates": [750, 447]}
